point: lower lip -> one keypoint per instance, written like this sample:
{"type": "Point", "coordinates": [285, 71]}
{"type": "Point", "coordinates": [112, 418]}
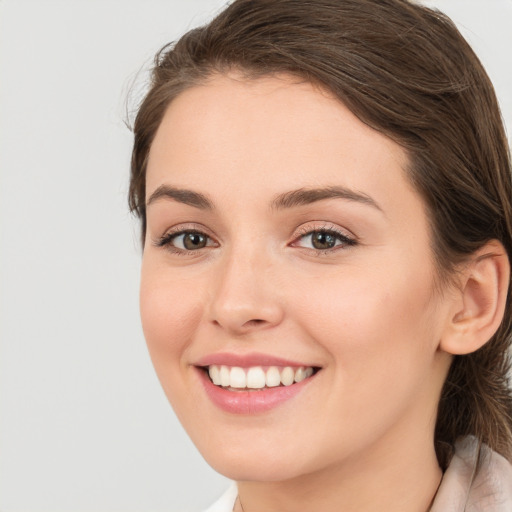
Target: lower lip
{"type": "Point", "coordinates": [250, 402]}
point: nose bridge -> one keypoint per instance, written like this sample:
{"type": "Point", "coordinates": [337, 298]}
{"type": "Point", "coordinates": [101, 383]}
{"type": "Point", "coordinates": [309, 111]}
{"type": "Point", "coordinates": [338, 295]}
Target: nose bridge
{"type": "Point", "coordinates": [245, 296]}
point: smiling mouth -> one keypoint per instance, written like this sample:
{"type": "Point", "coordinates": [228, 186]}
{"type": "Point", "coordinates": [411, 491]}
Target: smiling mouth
{"type": "Point", "coordinates": [257, 378]}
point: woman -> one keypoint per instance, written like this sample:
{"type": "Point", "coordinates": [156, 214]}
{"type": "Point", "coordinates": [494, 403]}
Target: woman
{"type": "Point", "coordinates": [326, 205]}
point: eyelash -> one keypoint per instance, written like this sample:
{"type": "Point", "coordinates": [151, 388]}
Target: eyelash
{"type": "Point", "coordinates": [345, 241]}
{"type": "Point", "coordinates": [166, 240]}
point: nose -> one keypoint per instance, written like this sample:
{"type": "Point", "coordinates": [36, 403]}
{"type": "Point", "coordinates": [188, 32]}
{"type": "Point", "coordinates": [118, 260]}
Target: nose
{"type": "Point", "coordinates": [245, 295]}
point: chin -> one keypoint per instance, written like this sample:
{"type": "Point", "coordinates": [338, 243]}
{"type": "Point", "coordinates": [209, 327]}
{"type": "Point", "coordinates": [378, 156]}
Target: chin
{"type": "Point", "coordinates": [242, 468]}
{"type": "Point", "coordinates": [256, 463]}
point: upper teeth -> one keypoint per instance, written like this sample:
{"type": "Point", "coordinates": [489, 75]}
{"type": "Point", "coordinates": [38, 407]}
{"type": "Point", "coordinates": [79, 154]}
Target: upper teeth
{"type": "Point", "coordinates": [256, 377]}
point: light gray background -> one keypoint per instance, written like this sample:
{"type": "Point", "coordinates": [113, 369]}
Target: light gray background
{"type": "Point", "coordinates": [84, 425]}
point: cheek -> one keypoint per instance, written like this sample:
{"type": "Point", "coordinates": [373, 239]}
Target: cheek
{"type": "Point", "coordinates": [170, 313]}
{"type": "Point", "coordinates": [373, 322]}
{"type": "Point", "coordinates": [380, 338]}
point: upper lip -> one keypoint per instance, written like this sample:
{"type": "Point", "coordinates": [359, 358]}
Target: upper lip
{"type": "Point", "coordinates": [247, 360]}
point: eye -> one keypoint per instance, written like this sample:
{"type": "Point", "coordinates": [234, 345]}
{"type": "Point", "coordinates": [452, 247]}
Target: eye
{"type": "Point", "coordinates": [190, 241]}
{"type": "Point", "coordinates": [324, 240]}
{"type": "Point", "coordinates": [185, 240]}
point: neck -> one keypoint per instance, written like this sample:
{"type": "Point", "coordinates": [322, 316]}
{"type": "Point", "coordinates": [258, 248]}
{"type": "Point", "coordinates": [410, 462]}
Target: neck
{"type": "Point", "coordinates": [393, 478]}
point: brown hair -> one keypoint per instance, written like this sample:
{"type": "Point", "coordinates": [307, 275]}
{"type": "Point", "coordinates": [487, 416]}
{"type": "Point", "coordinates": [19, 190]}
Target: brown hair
{"type": "Point", "coordinates": [406, 71]}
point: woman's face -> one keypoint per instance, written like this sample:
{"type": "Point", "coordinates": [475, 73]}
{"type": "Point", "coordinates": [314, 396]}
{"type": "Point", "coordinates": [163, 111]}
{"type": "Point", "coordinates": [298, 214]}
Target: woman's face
{"type": "Point", "coordinates": [284, 239]}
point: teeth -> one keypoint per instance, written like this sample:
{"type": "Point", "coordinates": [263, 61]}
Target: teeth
{"type": "Point", "coordinates": [215, 375]}
{"type": "Point", "coordinates": [255, 377]}
{"type": "Point", "coordinates": [287, 376]}
{"type": "Point", "coordinates": [237, 376]}
{"type": "Point", "coordinates": [300, 374]}
{"type": "Point", "coordinates": [225, 379]}
{"type": "Point", "coordinates": [273, 377]}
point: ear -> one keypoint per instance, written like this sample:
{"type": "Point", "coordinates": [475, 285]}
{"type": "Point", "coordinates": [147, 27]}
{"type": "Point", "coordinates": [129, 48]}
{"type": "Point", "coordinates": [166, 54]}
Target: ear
{"type": "Point", "coordinates": [479, 303]}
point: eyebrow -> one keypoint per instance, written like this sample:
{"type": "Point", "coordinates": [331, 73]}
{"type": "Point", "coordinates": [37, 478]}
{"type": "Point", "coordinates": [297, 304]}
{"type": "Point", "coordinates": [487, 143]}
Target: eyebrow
{"type": "Point", "coordinates": [291, 199]}
{"type": "Point", "coordinates": [304, 196]}
{"type": "Point", "coordinates": [181, 195]}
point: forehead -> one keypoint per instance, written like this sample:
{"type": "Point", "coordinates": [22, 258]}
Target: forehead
{"type": "Point", "coordinates": [267, 132]}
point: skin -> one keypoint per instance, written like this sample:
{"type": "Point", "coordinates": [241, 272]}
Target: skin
{"type": "Point", "coordinates": [359, 437]}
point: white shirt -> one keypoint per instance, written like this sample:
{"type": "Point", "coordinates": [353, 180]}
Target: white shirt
{"type": "Point", "coordinates": [226, 502]}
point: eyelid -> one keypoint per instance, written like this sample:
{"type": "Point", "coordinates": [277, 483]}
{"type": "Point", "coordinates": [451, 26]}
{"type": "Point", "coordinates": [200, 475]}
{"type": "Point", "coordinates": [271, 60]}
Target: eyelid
{"type": "Point", "coordinates": [308, 229]}
{"type": "Point", "coordinates": [169, 234]}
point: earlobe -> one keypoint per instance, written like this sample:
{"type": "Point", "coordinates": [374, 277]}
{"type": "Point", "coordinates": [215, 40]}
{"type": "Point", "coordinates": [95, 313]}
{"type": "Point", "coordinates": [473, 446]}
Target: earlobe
{"type": "Point", "coordinates": [478, 307]}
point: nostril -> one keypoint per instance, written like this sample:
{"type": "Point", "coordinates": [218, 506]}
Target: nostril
{"type": "Point", "coordinates": [254, 322]}
{"type": "Point", "coordinates": [250, 323]}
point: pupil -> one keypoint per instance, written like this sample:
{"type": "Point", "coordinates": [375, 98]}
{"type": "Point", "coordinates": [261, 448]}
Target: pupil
{"type": "Point", "coordinates": [323, 240]}
{"type": "Point", "coordinates": [194, 241]}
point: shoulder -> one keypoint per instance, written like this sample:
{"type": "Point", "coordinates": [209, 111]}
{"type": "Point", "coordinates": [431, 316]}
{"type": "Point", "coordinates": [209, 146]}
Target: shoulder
{"type": "Point", "coordinates": [477, 479]}
{"type": "Point", "coordinates": [226, 502]}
